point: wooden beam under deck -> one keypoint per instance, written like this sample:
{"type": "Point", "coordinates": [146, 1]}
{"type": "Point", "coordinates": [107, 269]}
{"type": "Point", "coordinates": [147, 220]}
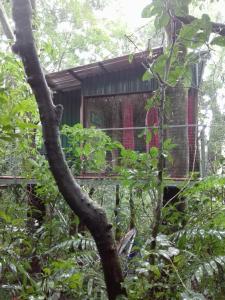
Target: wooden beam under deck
{"type": "Point", "coordinates": [14, 180]}
{"type": "Point", "coordinates": [87, 179]}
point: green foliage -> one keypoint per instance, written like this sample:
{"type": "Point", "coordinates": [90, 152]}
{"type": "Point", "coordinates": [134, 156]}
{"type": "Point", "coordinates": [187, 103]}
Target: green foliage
{"type": "Point", "coordinates": [88, 148]}
{"type": "Point", "coordinates": [160, 9]}
{"type": "Point", "coordinates": [197, 33]}
{"type": "Point", "coordinates": [147, 76]}
{"type": "Point", "coordinates": [18, 115]}
{"type": "Point", "coordinates": [70, 265]}
{"type": "Point", "coordinates": [134, 165]}
{"type": "Point", "coordinates": [189, 264]}
{"type": "Point", "coordinates": [18, 110]}
{"type": "Point", "coordinates": [186, 264]}
{"type": "Point", "coordinates": [70, 33]}
{"type": "Point", "coordinates": [219, 41]}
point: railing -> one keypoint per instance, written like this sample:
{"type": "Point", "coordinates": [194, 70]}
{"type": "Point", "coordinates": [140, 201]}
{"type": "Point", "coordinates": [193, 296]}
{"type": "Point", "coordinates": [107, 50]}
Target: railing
{"type": "Point", "coordinates": [186, 140]}
{"type": "Point", "coordinates": [197, 148]}
{"type": "Point", "coordinates": [10, 162]}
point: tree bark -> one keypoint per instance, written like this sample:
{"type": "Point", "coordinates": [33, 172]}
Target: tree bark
{"type": "Point", "coordinates": [178, 131]}
{"type": "Point", "coordinates": [50, 115]}
{"type": "Point", "coordinates": [216, 135]}
{"type": "Point", "coordinates": [177, 117]}
{"type": "Point", "coordinates": [118, 231]}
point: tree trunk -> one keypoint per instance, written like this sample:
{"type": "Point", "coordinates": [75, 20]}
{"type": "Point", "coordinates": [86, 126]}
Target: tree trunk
{"type": "Point", "coordinates": [178, 131]}
{"type": "Point", "coordinates": [177, 117]}
{"type": "Point", "coordinates": [216, 136]}
{"type": "Point", "coordinates": [117, 214]}
{"type": "Point", "coordinates": [50, 116]}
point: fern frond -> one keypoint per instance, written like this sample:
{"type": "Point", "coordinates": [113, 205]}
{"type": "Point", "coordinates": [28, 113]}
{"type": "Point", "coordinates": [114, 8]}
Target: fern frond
{"type": "Point", "coordinates": [84, 244]}
{"type": "Point", "coordinates": [209, 268]}
{"type": "Point", "coordinates": [199, 232]}
{"type": "Point", "coordinates": [78, 244]}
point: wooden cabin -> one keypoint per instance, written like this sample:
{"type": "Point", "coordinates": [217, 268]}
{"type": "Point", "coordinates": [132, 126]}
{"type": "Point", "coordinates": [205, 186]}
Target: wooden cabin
{"type": "Point", "coordinates": [112, 95]}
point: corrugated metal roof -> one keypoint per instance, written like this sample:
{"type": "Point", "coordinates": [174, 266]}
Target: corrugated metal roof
{"type": "Point", "coordinates": [71, 79]}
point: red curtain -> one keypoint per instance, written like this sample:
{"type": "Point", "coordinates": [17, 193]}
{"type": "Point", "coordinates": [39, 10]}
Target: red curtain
{"type": "Point", "coordinates": [128, 134]}
{"type": "Point", "coordinates": [192, 119]}
{"type": "Point", "coordinates": [152, 120]}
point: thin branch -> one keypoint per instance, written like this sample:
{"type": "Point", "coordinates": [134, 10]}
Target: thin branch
{"type": "Point", "coordinates": [67, 40]}
{"type": "Point", "coordinates": [5, 24]}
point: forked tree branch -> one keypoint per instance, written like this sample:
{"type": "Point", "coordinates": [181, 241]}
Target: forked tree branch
{"type": "Point", "coordinates": [92, 215]}
{"type": "Point", "coordinates": [216, 27]}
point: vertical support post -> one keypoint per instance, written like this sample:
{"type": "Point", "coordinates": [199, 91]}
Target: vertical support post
{"type": "Point", "coordinates": [132, 210]}
{"type": "Point", "coordinates": [82, 109]}
{"type": "Point", "coordinates": [116, 213]}
{"type": "Point", "coordinates": [116, 107]}
{"type": "Point", "coordinates": [203, 153]}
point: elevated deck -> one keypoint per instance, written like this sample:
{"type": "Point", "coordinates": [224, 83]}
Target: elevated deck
{"type": "Point", "coordinates": [14, 180]}
{"type": "Point", "coordinates": [6, 181]}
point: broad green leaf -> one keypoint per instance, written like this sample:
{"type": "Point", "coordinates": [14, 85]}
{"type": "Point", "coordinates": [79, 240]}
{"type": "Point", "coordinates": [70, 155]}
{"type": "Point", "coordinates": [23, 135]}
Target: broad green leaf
{"type": "Point", "coordinates": [155, 270]}
{"type": "Point", "coordinates": [13, 267]}
{"type": "Point", "coordinates": [154, 152]}
{"type": "Point", "coordinates": [199, 274]}
{"type": "Point", "coordinates": [150, 103]}
{"type": "Point", "coordinates": [187, 32]}
{"type": "Point", "coordinates": [175, 74]}
{"type": "Point", "coordinates": [130, 58]}
{"type": "Point", "coordinates": [75, 281]}
{"type": "Point", "coordinates": [161, 21]}
{"type": "Point", "coordinates": [147, 76]}
{"type": "Point", "coordinates": [192, 296]}
{"type": "Point", "coordinates": [6, 138]}
{"type": "Point", "coordinates": [218, 41]}
{"type": "Point", "coordinates": [214, 266]}
{"type": "Point", "coordinates": [3, 98]}
{"type": "Point", "coordinates": [208, 269]}
{"type": "Point", "coordinates": [173, 251]}
{"type": "Point", "coordinates": [148, 136]}
{"type": "Point", "coordinates": [165, 254]}
{"type": "Point", "coordinates": [90, 286]}
{"type": "Point", "coordinates": [147, 11]}
{"type": "Point", "coordinates": [152, 9]}
{"type": "Point", "coordinates": [159, 65]}
{"type": "Point", "coordinates": [206, 24]}
{"type": "Point", "coordinates": [197, 33]}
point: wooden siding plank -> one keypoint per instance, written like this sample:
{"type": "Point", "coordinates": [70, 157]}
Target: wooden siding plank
{"type": "Point", "coordinates": [71, 102]}
{"type": "Point", "coordinates": [118, 83]}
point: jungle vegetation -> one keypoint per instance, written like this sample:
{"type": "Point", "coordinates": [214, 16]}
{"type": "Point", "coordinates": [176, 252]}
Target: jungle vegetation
{"type": "Point", "coordinates": [69, 245]}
